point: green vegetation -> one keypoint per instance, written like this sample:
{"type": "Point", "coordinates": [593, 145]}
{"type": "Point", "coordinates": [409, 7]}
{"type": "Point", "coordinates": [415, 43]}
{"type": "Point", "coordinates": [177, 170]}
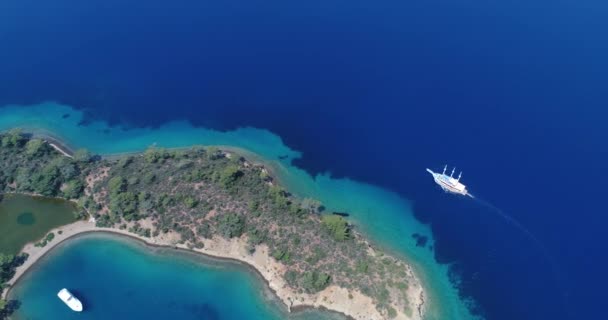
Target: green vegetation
{"type": "Point", "coordinates": [231, 225]}
{"type": "Point", "coordinates": [13, 138]}
{"type": "Point", "coordinates": [202, 193]}
{"type": "Point", "coordinates": [117, 185]}
{"type": "Point", "coordinates": [8, 264]}
{"type": "Point", "coordinates": [32, 166]}
{"type": "Point", "coordinates": [73, 189]}
{"type": "Point", "coordinates": [82, 155]}
{"type": "Point", "coordinates": [313, 281]}
{"type": "Point", "coordinates": [229, 175]}
{"type": "Point", "coordinates": [337, 226]}
{"type": "Point", "coordinates": [49, 237]}
{"type": "Point", "coordinates": [34, 147]}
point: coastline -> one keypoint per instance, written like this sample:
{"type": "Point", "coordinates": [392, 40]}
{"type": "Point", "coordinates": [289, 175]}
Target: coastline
{"type": "Point", "coordinates": [204, 259]}
{"type": "Point", "coordinates": [82, 228]}
{"type": "Point", "coordinates": [353, 304]}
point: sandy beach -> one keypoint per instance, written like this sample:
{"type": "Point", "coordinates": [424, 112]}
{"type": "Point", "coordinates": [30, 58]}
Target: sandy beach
{"type": "Point", "coordinates": [350, 303]}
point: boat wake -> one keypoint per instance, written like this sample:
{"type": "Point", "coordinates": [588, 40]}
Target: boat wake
{"type": "Point", "coordinates": [530, 236]}
{"type": "Point", "coordinates": [509, 219]}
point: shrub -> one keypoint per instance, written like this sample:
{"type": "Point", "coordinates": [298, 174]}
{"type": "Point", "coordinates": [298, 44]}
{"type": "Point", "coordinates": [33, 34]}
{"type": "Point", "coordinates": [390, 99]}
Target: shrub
{"type": "Point", "coordinates": [82, 155]}
{"type": "Point", "coordinates": [313, 281]}
{"type": "Point", "coordinates": [278, 196]}
{"type": "Point", "coordinates": [204, 230]}
{"type": "Point", "coordinates": [229, 175]}
{"type": "Point", "coordinates": [279, 253]}
{"type": "Point", "coordinates": [124, 162]}
{"type": "Point", "coordinates": [231, 225]}
{"type": "Point", "coordinates": [149, 178]}
{"type": "Point", "coordinates": [291, 277]}
{"type": "Point", "coordinates": [214, 153]}
{"type": "Point", "coordinates": [362, 266]}
{"type": "Point", "coordinates": [49, 237]}
{"type": "Point", "coordinates": [391, 312]}
{"type": "Point", "coordinates": [337, 226]}
{"type": "Point", "coordinates": [124, 203]}
{"type": "Point", "coordinates": [153, 155]}
{"type": "Point", "coordinates": [190, 202]}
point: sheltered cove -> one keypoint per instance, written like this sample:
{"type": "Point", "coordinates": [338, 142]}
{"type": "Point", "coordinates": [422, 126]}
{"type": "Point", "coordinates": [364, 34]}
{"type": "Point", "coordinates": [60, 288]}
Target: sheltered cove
{"type": "Point", "coordinates": [349, 302]}
{"type": "Point", "coordinates": [207, 259]}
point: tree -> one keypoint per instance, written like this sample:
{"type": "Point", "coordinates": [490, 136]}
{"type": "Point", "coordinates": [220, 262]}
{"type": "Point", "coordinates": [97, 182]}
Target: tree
{"type": "Point", "coordinates": [149, 178]}
{"type": "Point", "coordinates": [117, 185]}
{"type": "Point", "coordinates": [278, 196]}
{"type": "Point", "coordinates": [337, 226]}
{"type": "Point", "coordinates": [231, 225]}
{"type": "Point", "coordinates": [153, 154]}
{"type": "Point", "coordinates": [34, 147]}
{"type": "Point", "coordinates": [280, 253]}
{"type": "Point", "coordinates": [213, 153]}
{"type": "Point", "coordinates": [68, 170]}
{"type": "Point", "coordinates": [8, 307]}
{"type": "Point", "coordinates": [47, 181]}
{"type": "Point", "coordinates": [8, 263]}
{"type": "Point", "coordinates": [313, 281]}
{"type": "Point", "coordinates": [321, 281]}
{"type": "Point", "coordinates": [257, 237]}
{"type": "Point", "coordinates": [82, 155]}
{"type": "Point", "coordinates": [73, 189]}
{"type": "Point", "coordinates": [124, 203]}
{"type": "Point", "coordinates": [13, 138]}
{"type": "Point", "coordinates": [229, 175]}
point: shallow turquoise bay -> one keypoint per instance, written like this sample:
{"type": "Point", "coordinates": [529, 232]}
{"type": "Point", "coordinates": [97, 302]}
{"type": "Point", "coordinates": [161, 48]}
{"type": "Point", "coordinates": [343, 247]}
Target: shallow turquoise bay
{"type": "Point", "coordinates": [126, 279]}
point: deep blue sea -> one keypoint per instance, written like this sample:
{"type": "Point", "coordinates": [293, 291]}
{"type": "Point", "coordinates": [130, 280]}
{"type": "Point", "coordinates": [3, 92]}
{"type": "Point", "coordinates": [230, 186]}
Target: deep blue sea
{"type": "Point", "coordinates": [514, 93]}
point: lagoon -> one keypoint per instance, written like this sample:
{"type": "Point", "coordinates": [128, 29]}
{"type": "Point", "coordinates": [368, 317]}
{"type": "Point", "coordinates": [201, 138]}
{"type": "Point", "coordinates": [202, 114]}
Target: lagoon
{"type": "Point", "coordinates": [122, 278]}
{"type": "Point", "coordinates": [26, 219]}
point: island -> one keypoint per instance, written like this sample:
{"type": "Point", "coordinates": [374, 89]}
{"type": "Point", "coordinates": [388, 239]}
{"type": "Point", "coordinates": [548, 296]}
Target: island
{"type": "Point", "coordinates": [214, 202]}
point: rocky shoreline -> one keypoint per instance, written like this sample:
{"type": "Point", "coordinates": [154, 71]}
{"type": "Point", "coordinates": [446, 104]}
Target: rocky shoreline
{"type": "Point", "coordinates": [352, 303]}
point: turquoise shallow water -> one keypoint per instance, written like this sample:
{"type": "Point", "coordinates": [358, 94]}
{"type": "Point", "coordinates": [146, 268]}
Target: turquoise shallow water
{"type": "Point", "coordinates": [384, 216]}
{"type": "Point", "coordinates": [129, 280]}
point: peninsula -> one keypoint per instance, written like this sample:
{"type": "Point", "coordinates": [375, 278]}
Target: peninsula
{"type": "Point", "coordinates": [216, 202]}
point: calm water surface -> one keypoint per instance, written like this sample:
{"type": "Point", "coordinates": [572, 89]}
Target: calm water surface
{"type": "Point", "coordinates": [124, 279]}
{"type": "Point", "coordinates": [25, 219]}
{"type": "Point", "coordinates": [512, 92]}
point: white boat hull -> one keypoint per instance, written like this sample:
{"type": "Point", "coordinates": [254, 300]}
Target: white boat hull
{"type": "Point", "coordinates": [70, 300]}
{"type": "Point", "coordinates": [449, 184]}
